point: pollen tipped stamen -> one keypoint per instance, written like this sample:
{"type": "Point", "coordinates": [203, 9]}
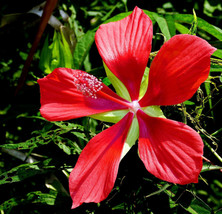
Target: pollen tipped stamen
{"type": "Point", "coordinates": [87, 84]}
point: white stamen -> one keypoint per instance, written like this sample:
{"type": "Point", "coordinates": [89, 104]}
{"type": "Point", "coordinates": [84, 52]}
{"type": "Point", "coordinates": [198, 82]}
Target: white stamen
{"type": "Point", "coordinates": [87, 84]}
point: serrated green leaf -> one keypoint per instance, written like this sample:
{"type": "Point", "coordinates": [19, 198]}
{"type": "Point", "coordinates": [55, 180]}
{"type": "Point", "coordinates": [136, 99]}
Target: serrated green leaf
{"type": "Point", "coordinates": [31, 197]}
{"type": "Point", "coordinates": [25, 171]}
{"type": "Point", "coordinates": [65, 148]}
{"type": "Point", "coordinates": [80, 135]}
{"type": "Point", "coordinates": [20, 173]}
{"type": "Point", "coordinates": [29, 144]}
{"type": "Point", "coordinates": [69, 126]}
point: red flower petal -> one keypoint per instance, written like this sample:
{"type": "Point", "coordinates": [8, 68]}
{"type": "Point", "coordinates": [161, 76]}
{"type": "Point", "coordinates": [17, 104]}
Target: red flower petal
{"type": "Point", "coordinates": [125, 47]}
{"type": "Point", "coordinates": [170, 150]}
{"type": "Point", "coordinates": [95, 172]}
{"type": "Point", "coordinates": [61, 100]}
{"type": "Point", "coordinates": [181, 65]}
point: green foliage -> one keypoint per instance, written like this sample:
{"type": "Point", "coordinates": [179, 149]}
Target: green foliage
{"type": "Point", "coordinates": [58, 54]}
{"type": "Point", "coordinates": [31, 197]}
{"type": "Point", "coordinates": [82, 49]}
{"type": "Point", "coordinates": [37, 156]}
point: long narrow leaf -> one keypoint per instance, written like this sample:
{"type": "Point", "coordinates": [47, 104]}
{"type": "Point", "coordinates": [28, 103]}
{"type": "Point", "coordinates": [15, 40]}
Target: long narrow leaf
{"type": "Point", "coordinates": [163, 25]}
{"type": "Point", "coordinates": [202, 24]}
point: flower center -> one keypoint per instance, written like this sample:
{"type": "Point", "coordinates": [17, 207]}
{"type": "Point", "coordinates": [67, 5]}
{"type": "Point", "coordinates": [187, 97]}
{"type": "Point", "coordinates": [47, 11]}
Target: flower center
{"type": "Point", "coordinates": [87, 84]}
{"type": "Point", "coordinates": [134, 106]}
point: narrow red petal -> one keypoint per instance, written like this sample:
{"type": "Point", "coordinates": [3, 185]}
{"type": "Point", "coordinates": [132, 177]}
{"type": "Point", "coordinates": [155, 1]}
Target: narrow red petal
{"type": "Point", "coordinates": [62, 100]}
{"type": "Point", "coordinates": [125, 47]}
{"type": "Point", "coordinates": [181, 65]}
{"type": "Point", "coordinates": [95, 172]}
{"type": "Point", "coordinates": [170, 150]}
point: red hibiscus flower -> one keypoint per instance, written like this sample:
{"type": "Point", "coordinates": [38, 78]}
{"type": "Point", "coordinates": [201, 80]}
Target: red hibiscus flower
{"type": "Point", "coordinates": [170, 150]}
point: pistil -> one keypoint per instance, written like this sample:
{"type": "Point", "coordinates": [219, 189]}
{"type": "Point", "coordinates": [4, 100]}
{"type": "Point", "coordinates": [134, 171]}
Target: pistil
{"type": "Point", "coordinates": [134, 106]}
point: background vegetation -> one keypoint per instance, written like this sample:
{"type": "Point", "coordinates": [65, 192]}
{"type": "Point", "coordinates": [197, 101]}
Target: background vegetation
{"type": "Point", "coordinates": [37, 156]}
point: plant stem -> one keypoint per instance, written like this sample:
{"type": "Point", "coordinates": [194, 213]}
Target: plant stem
{"type": "Point", "coordinates": [214, 152]}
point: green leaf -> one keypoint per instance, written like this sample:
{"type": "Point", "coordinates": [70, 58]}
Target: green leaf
{"type": "Point", "coordinates": [31, 197]}
{"type": "Point", "coordinates": [45, 56]}
{"type": "Point", "coordinates": [206, 167]}
{"type": "Point", "coordinates": [163, 25]}
{"type": "Point", "coordinates": [189, 103]}
{"type": "Point", "coordinates": [106, 81]}
{"type": "Point", "coordinates": [69, 126]}
{"type": "Point", "coordinates": [120, 88]}
{"type": "Point", "coordinates": [66, 52]}
{"type": "Point", "coordinates": [200, 207]}
{"type": "Point", "coordinates": [80, 135]}
{"type": "Point", "coordinates": [182, 29]}
{"type": "Point", "coordinates": [110, 116]}
{"type": "Point", "coordinates": [218, 53]}
{"type": "Point", "coordinates": [64, 147]}
{"type": "Point", "coordinates": [58, 54]}
{"type": "Point", "coordinates": [202, 24]}
{"type": "Point", "coordinates": [56, 59]}
{"type": "Point", "coordinates": [144, 83]}
{"type": "Point", "coordinates": [171, 24]}
{"type": "Point", "coordinates": [215, 68]}
{"type": "Point", "coordinates": [82, 49]}
{"type": "Point", "coordinates": [21, 172]}
{"type": "Point", "coordinates": [29, 144]}
{"type": "Point", "coordinates": [132, 136]}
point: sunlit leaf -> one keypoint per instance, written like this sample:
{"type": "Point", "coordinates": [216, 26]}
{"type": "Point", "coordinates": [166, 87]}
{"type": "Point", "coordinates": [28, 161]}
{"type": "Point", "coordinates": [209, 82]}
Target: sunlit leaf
{"type": "Point", "coordinates": [163, 26]}
{"type": "Point", "coordinates": [202, 24]}
{"type": "Point", "coordinates": [20, 173]}
{"type": "Point", "coordinates": [82, 49]}
{"type": "Point", "coordinates": [31, 197]}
